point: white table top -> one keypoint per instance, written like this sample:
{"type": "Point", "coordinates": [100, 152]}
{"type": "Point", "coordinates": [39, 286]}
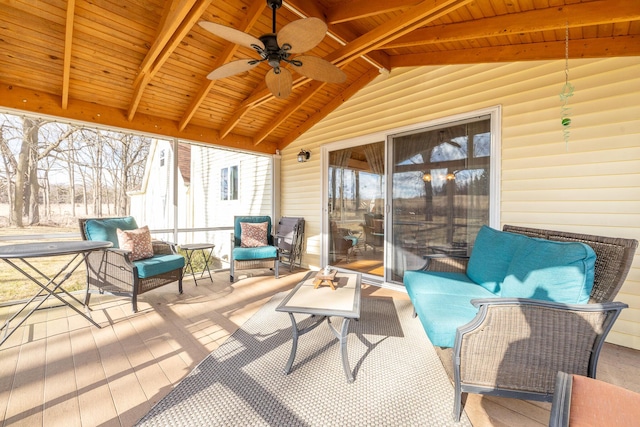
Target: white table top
{"type": "Point", "coordinates": [323, 301]}
{"type": "Point", "coordinates": [45, 249]}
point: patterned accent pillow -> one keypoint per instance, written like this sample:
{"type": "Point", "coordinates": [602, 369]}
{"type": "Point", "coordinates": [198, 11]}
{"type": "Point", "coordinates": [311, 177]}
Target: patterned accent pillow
{"type": "Point", "coordinates": [253, 234]}
{"type": "Point", "coordinates": [137, 241]}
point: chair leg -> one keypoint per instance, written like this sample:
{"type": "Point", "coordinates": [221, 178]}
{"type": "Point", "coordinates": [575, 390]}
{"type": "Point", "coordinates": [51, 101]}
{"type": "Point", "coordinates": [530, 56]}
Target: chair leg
{"type": "Point", "coordinates": [231, 271]}
{"type": "Point", "coordinates": [180, 284]}
{"type": "Point", "coordinates": [277, 264]}
{"type": "Point", "coordinates": [134, 303]}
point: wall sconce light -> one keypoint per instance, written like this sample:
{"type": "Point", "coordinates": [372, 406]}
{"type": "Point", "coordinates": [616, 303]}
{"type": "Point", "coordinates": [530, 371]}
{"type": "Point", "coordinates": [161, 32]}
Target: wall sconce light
{"type": "Point", "coordinates": [426, 177]}
{"type": "Point", "coordinates": [451, 177]}
{"type": "Point", "coordinates": [303, 156]}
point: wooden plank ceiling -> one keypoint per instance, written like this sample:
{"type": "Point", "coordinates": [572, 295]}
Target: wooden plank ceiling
{"type": "Point", "coordinates": [142, 64]}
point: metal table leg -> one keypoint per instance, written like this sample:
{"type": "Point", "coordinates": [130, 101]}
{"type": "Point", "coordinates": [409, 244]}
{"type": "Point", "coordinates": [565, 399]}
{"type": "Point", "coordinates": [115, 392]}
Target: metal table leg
{"type": "Point", "coordinates": [296, 333]}
{"type": "Point", "coordinates": [342, 338]}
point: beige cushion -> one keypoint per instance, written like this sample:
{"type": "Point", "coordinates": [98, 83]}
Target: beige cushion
{"type": "Point", "coordinates": [253, 235]}
{"type": "Point", "coordinates": [137, 241]}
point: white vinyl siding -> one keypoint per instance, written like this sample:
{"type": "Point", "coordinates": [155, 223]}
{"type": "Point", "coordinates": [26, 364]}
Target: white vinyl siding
{"type": "Point", "coordinates": [591, 185]}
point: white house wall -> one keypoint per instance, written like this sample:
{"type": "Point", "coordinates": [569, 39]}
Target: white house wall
{"type": "Point", "coordinates": [590, 185]}
{"type": "Point", "coordinates": [254, 193]}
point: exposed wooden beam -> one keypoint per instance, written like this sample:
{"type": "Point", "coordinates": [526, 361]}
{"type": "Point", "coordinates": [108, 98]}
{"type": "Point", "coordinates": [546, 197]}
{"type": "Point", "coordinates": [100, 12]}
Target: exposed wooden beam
{"type": "Point", "coordinates": [38, 102]}
{"type": "Point", "coordinates": [68, 43]}
{"type": "Point", "coordinates": [343, 33]}
{"type": "Point", "coordinates": [576, 15]}
{"type": "Point", "coordinates": [170, 37]}
{"type": "Point", "coordinates": [294, 105]}
{"type": "Point", "coordinates": [260, 95]}
{"type": "Point", "coordinates": [415, 17]}
{"type": "Point", "coordinates": [253, 14]}
{"type": "Point", "coordinates": [351, 90]}
{"type": "Point", "coordinates": [586, 48]}
{"type": "Point", "coordinates": [349, 11]}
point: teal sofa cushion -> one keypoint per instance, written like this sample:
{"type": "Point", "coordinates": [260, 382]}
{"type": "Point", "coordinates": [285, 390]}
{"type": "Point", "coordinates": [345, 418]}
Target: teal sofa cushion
{"type": "Point", "coordinates": [159, 264]}
{"type": "Point", "coordinates": [441, 315]}
{"type": "Point", "coordinates": [552, 271]}
{"type": "Point", "coordinates": [491, 256]}
{"type": "Point", "coordinates": [442, 283]}
{"type": "Point", "coordinates": [261, 252]}
{"type": "Point", "coordinates": [105, 228]}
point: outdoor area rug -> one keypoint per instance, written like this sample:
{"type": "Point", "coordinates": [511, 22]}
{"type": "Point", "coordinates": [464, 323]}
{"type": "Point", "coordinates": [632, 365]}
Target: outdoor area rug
{"type": "Point", "coordinates": [399, 380]}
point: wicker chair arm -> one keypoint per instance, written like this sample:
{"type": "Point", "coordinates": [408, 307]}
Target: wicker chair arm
{"type": "Point", "coordinates": [122, 252]}
{"type": "Point", "coordinates": [520, 344]}
{"type": "Point", "coordinates": [445, 263]}
{"type": "Point", "coordinates": [161, 247]}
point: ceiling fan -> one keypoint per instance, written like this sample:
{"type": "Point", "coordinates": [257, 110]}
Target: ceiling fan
{"type": "Point", "coordinates": [296, 37]}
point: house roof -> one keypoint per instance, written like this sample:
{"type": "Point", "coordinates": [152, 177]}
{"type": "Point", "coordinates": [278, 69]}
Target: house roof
{"type": "Point", "coordinates": [143, 64]}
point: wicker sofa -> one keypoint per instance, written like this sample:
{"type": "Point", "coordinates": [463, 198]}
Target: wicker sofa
{"type": "Point", "coordinates": [112, 271]}
{"type": "Point", "coordinates": [521, 308]}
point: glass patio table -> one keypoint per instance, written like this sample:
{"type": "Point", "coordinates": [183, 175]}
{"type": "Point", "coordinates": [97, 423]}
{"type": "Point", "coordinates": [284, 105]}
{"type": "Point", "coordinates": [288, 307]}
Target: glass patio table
{"type": "Point", "coordinates": [50, 285]}
{"type": "Point", "coordinates": [324, 302]}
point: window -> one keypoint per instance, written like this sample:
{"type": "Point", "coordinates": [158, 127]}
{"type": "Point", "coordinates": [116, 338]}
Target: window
{"type": "Point", "coordinates": [229, 183]}
{"type": "Point", "coordinates": [161, 158]}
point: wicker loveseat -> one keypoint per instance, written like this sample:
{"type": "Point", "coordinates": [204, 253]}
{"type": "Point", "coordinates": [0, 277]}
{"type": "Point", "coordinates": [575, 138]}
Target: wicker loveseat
{"type": "Point", "coordinates": [514, 346]}
{"type": "Point", "coordinates": [111, 271]}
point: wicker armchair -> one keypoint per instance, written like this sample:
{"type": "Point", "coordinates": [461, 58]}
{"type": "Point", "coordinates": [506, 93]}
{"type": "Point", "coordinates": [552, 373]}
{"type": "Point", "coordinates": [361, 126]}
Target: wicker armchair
{"type": "Point", "coordinates": [112, 272]}
{"type": "Point", "coordinates": [515, 347]}
{"type": "Point", "coordinates": [252, 257]}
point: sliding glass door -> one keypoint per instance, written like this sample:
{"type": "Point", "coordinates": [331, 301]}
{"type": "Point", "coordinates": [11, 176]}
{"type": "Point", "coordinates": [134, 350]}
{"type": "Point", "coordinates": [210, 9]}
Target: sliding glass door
{"type": "Point", "coordinates": [440, 191]}
{"type": "Point", "coordinates": [356, 208]}
{"type": "Point", "coordinates": [413, 193]}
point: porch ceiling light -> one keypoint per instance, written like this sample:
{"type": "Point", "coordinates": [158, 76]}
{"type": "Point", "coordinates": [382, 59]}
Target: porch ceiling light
{"type": "Point", "coordinates": [303, 156]}
{"type": "Point", "coordinates": [426, 177]}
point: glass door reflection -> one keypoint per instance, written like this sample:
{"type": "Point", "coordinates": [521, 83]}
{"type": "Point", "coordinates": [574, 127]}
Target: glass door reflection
{"type": "Point", "coordinates": [356, 208]}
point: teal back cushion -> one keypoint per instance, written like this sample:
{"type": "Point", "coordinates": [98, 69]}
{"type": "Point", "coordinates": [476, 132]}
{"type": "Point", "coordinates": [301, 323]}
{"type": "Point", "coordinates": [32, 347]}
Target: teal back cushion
{"type": "Point", "coordinates": [552, 271]}
{"type": "Point", "coordinates": [491, 256]}
{"type": "Point", "coordinates": [105, 228]}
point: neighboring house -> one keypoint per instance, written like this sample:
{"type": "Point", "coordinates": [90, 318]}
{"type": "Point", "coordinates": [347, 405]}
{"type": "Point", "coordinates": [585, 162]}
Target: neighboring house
{"type": "Point", "coordinates": [213, 185]}
{"type": "Point", "coordinates": [590, 184]}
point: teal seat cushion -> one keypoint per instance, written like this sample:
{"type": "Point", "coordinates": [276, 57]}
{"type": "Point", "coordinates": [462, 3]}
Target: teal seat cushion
{"type": "Point", "coordinates": [442, 283]}
{"type": "Point", "coordinates": [441, 315]}
{"type": "Point", "coordinates": [158, 264]}
{"type": "Point", "coordinates": [552, 271]}
{"type": "Point", "coordinates": [491, 256]}
{"type": "Point", "coordinates": [261, 252]}
{"type": "Point", "coordinates": [105, 228]}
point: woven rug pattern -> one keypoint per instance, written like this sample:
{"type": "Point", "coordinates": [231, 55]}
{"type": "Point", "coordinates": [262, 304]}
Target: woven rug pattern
{"type": "Point", "coordinates": [399, 380]}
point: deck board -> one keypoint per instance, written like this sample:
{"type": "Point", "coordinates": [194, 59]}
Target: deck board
{"type": "Point", "coordinates": [112, 376]}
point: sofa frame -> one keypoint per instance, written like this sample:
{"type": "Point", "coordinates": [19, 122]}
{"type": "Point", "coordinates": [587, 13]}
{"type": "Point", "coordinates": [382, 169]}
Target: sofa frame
{"type": "Point", "coordinates": [540, 338]}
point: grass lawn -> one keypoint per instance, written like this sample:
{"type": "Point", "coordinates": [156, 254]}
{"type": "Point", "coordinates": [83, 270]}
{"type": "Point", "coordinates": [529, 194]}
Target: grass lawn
{"type": "Point", "coordinates": [14, 285]}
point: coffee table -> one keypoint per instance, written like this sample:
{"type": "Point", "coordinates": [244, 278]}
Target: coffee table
{"type": "Point", "coordinates": [324, 303]}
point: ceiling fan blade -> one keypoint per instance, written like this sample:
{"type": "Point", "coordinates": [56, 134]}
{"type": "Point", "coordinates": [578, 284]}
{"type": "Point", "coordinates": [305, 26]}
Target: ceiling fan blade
{"type": "Point", "coordinates": [231, 34]}
{"type": "Point", "coordinates": [279, 84]}
{"type": "Point", "coordinates": [302, 35]}
{"type": "Point", "coordinates": [319, 69]}
{"type": "Point", "coordinates": [232, 68]}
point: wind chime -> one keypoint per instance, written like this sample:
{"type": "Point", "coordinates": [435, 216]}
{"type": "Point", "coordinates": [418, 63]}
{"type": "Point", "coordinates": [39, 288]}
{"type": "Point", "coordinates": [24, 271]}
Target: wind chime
{"type": "Point", "coordinates": [566, 93]}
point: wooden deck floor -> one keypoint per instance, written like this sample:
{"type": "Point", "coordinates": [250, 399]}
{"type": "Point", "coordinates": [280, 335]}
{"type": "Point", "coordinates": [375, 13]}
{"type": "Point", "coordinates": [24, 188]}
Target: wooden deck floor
{"type": "Point", "coordinates": [58, 370]}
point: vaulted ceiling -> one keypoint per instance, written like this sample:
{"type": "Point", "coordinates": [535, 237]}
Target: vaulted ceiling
{"type": "Point", "coordinates": [143, 64]}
